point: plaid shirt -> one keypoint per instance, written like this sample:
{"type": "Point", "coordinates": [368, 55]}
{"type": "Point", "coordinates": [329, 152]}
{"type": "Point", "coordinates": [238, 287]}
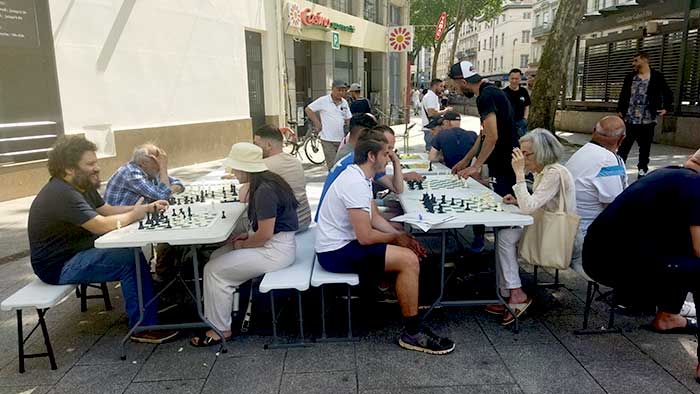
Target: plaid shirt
{"type": "Point", "coordinates": [130, 183]}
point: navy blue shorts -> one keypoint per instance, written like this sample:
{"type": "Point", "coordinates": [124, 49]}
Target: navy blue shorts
{"type": "Point", "coordinates": [365, 260]}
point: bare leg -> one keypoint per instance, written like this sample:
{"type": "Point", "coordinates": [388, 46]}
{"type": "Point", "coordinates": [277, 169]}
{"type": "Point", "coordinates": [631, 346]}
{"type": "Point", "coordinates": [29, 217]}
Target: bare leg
{"type": "Point", "coordinates": [667, 321]}
{"type": "Point", "coordinates": [405, 263]}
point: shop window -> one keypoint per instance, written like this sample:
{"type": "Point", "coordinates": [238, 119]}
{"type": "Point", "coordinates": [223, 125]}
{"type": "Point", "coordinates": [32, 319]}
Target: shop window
{"type": "Point", "coordinates": [524, 59]}
{"type": "Point", "coordinates": [343, 64]}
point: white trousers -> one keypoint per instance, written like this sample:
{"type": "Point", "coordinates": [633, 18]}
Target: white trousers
{"type": "Point", "coordinates": [507, 253]}
{"type": "Point", "coordinates": [227, 269]}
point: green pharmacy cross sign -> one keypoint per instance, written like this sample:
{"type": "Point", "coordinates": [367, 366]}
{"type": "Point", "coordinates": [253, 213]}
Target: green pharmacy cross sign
{"type": "Point", "coordinates": [335, 40]}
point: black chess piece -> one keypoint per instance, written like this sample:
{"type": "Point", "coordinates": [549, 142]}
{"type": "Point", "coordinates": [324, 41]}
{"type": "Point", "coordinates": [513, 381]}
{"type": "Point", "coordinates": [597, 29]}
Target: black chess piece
{"type": "Point", "coordinates": [223, 214]}
{"type": "Point", "coordinates": [174, 212]}
{"type": "Point", "coordinates": [440, 210]}
{"type": "Point", "coordinates": [462, 204]}
{"type": "Point", "coordinates": [420, 185]}
{"type": "Point", "coordinates": [179, 202]}
{"type": "Point", "coordinates": [411, 185]}
{"type": "Point", "coordinates": [433, 199]}
{"type": "Point", "coordinates": [196, 198]}
{"type": "Point", "coordinates": [442, 200]}
{"type": "Point", "coordinates": [426, 197]}
{"type": "Point", "coordinates": [189, 212]}
{"type": "Point", "coordinates": [182, 212]}
{"type": "Point", "coordinates": [233, 190]}
{"type": "Point", "coordinates": [453, 201]}
{"type": "Point", "coordinates": [167, 223]}
{"type": "Point", "coordinates": [224, 194]}
{"type": "Point", "coordinates": [140, 224]}
{"type": "Point", "coordinates": [148, 218]}
{"type": "Point", "coordinates": [430, 167]}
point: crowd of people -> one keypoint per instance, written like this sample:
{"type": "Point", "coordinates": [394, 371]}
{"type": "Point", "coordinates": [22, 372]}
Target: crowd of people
{"type": "Point", "coordinates": [353, 234]}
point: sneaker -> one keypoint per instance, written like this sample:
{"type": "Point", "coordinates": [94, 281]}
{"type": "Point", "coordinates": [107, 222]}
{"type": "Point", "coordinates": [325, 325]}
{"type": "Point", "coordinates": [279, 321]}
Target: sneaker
{"type": "Point", "coordinates": [152, 336]}
{"type": "Point", "coordinates": [477, 245]}
{"type": "Point", "coordinates": [426, 341]}
{"type": "Point", "coordinates": [641, 174]}
{"type": "Point", "coordinates": [688, 309]}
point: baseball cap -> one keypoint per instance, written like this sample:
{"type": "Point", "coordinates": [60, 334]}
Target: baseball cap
{"type": "Point", "coordinates": [339, 84]}
{"type": "Point", "coordinates": [452, 115]}
{"type": "Point", "coordinates": [355, 87]}
{"type": "Point", "coordinates": [464, 70]}
{"type": "Point", "coordinates": [435, 121]}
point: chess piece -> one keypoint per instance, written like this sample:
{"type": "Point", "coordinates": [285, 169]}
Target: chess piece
{"type": "Point", "coordinates": [233, 190]}
{"type": "Point", "coordinates": [189, 212]}
{"type": "Point", "coordinates": [224, 194]}
{"type": "Point", "coordinates": [167, 223]}
{"type": "Point", "coordinates": [453, 201]}
{"type": "Point", "coordinates": [420, 185]}
{"type": "Point", "coordinates": [148, 218]}
{"type": "Point", "coordinates": [140, 224]}
{"type": "Point", "coordinates": [442, 200]}
{"type": "Point", "coordinates": [440, 210]}
{"type": "Point", "coordinates": [174, 212]}
{"type": "Point", "coordinates": [462, 204]}
{"type": "Point", "coordinates": [182, 212]}
{"type": "Point", "coordinates": [430, 168]}
{"type": "Point", "coordinates": [223, 214]}
{"type": "Point", "coordinates": [433, 199]}
{"type": "Point", "coordinates": [179, 202]}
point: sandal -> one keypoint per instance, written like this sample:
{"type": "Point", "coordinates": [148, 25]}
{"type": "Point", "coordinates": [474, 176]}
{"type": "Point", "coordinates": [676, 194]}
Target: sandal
{"type": "Point", "coordinates": [206, 342]}
{"type": "Point", "coordinates": [519, 309]}
{"type": "Point", "coordinates": [495, 309]}
{"type": "Point", "coordinates": [690, 328]}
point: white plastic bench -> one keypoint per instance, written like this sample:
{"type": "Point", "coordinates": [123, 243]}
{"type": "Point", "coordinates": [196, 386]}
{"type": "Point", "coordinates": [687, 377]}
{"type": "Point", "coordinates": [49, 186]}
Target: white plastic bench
{"type": "Point", "coordinates": [295, 277]}
{"type": "Point", "coordinates": [319, 278]}
{"type": "Point", "coordinates": [40, 296]}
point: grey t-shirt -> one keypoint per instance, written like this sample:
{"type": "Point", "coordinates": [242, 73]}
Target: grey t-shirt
{"type": "Point", "coordinates": [54, 226]}
{"type": "Point", "coordinates": [273, 203]}
{"type": "Point", "coordinates": [291, 170]}
{"type": "Point", "coordinates": [343, 151]}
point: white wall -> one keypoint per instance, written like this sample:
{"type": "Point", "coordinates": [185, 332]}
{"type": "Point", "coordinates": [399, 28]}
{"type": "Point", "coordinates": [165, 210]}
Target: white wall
{"type": "Point", "coordinates": [176, 61]}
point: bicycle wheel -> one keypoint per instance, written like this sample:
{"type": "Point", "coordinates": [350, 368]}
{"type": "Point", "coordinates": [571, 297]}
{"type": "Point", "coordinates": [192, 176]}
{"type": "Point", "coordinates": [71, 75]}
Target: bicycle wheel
{"type": "Point", "coordinates": [314, 150]}
{"type": "Point", "coordinates": [290, 147]}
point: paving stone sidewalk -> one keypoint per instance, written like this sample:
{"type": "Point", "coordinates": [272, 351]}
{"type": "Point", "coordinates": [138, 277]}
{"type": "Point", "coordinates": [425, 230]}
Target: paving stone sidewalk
{"type": "Point", "coordinates": [545, 357]}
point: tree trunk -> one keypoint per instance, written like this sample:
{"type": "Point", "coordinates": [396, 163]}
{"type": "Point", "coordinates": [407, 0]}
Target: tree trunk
{"type": "Point", "coordinates": [553, 64]}
{"type": "Point", "coordinates": [458, 26]}
{"type": "Point", "coordinates": [436, 53]}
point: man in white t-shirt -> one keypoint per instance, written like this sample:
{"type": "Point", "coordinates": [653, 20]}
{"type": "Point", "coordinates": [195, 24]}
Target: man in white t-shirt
{"type": "Point", "coordinates": [353, 237]}
{"type": "Point", "coordinates": [330, 114]}
{"type": "Point", "coordinates": [430, 106]}
{"type": "Point", "coordinates": [599, 175]}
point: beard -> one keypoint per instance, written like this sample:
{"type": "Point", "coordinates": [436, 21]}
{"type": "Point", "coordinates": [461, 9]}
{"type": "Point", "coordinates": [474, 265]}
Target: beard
{"type": "Point", "coordinates": [84, 180]}
{"type": "Point", "coordinates": [378, 168]}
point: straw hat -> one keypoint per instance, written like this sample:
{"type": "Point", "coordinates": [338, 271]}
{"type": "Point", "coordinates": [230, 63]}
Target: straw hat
{"type": "Point", "coordinates": [247, 157]}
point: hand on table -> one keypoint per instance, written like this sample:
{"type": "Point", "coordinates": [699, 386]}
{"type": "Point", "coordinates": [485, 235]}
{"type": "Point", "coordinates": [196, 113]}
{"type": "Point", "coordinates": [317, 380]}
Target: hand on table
{"type": "Point", "coordinates": [413, 176]}
{"type": "Point", "coordinates": [509, 199]}
{"type": "Point", "coordinates": [469, 172]}
{"type": "Point", "coordinates": [459, 166]}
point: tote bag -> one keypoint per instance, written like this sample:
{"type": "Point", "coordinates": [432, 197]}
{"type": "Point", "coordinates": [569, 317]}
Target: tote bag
{"type": "Point", "coordinates": [549, 240]}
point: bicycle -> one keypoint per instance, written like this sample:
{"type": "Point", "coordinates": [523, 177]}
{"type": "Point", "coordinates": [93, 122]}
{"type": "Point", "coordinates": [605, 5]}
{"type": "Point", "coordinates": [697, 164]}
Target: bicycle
{"type": "Point", "coordinates": [310, 141]}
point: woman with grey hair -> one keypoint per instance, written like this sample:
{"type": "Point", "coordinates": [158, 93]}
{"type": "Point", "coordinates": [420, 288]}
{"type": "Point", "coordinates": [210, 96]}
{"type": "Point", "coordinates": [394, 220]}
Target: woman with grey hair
{"type": "Point", "coordinates": [539, 153]}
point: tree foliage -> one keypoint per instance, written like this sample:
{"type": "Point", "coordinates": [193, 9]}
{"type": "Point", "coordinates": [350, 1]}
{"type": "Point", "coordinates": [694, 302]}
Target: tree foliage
{"type": "Point", "coordinates": [553, 65]}
{"type": "Point", "coordinates": [425, 14]}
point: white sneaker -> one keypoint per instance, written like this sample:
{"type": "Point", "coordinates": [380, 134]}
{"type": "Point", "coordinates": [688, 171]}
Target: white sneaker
{"type": "Point", "coordinates": [641, 174]}
{"type": "Point", "coordinates": [688, 309]}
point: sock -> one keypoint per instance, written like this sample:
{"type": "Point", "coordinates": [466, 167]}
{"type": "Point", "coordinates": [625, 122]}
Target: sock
{"type": "Point", "coordinates": [412, 324]}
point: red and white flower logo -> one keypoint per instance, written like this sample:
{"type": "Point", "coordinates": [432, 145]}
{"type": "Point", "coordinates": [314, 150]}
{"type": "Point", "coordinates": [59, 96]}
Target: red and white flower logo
{"type": "Point", "coordinates": [401, 38]}
{"type": "Point", "coordinates": [294, 15]}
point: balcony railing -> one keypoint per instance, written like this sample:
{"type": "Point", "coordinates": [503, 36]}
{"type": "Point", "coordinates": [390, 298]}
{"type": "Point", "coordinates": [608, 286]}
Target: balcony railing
{"type": "Point", "coordinates": [542, 30]}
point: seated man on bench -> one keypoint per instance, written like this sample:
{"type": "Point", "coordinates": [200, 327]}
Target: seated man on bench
{"type": "Point", "coordinates": [68, 215]}
{"type": "Point", "coordinates": [353, 237]}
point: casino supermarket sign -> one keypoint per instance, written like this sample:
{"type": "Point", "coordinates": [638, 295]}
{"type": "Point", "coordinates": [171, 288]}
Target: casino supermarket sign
{"type": "Point", "coordinates": [299, 18]}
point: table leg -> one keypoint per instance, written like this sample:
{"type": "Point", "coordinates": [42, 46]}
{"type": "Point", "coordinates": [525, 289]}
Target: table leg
{"type": "Point", "coordinates": [198, 300]}
{"type": "Point", "coordinates": [498, 282]}
{"type": "Point", "coordinates": [443, 243]}
{"type": "Point", "coordinates": [142, 310]}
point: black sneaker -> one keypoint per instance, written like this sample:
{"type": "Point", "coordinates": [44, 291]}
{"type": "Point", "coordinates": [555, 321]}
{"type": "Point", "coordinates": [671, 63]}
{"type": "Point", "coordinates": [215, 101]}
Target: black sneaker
{"type": "Point", "coordinates": [426, 341]}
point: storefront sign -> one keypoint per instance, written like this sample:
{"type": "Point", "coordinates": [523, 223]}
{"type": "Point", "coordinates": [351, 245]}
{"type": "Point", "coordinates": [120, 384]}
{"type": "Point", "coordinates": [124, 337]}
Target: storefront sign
{"type": "Point", "coordinates": [401, 39]}
{"type": "Point", "coordinates": [440, 27]}
{"type": "Point", "coordinates": [335, 40]}
{"type": "Point", "coordinates": [18, 26]}
{"type": "Point", "coordinates": [299, 18]}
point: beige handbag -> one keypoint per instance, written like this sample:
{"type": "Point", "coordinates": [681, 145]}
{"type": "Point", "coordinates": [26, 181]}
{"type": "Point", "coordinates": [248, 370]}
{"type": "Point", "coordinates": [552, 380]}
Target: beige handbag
{"type": "Point", "coordinates": [549, 240]}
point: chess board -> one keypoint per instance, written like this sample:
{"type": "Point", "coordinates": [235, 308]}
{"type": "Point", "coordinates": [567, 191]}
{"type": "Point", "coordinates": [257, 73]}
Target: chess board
{"type": "Point", "coordinates": [411, 156]}
{"type": "Point", "coordinates": [205, 192]}
{"type": "Point", "coordinates": [431, 203]}
{"type": "Point", "coordinates": [438, 182]}
{"type": "Point", "coordinates": [178, 219]}
{"type": "Point", "coordinates": [415, 166]}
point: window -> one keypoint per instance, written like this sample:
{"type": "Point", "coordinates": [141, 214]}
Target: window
{"type": "Point", "coordinates": [526, 36]}
{"type": "Point", "coordinates": [503, 39]}
{"type": "Point", "coordinates": [538, 19]}
{"type": "Point", "coordinates": [490, 42]}
{"type": "Point", "coordinates": [501, 63]}
{"type": "Point", "coordinates": [503, 19]}
{"type": "Point", "coordinates": [343, 6]}
{"type": "Point", "coordinates": [479, 46]}
{"type": "Point", "coordinates": [496, 42]}
{"type": "Point", "coordinates": [343, 64]}
{"type": "Point", "coordinates": [373, 11]}
{"type": "Point", "coordinates": [524, 60]}
{"type": "Point", "coordinates": [526, 15]}
{"type": "Point", "coordinates": [490, 65]}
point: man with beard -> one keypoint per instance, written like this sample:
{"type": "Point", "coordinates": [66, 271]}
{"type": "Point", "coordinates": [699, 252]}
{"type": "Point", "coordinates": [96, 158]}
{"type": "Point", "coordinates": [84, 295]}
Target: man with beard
{"type": "Point", "coordinates": [499, 135]}
{"type": "Point", "coordinates": [68, 215]}
{"type": "Point", "coordinates": [146, 175]}
{"type": "Point", "coordinates": [645, 95]}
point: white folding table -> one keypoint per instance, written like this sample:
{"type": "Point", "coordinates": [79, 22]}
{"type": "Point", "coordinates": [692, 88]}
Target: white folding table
{"type": "Point", "coordinates": [411, 201]}
{"type": "Point", "coordinates": [131, 237]}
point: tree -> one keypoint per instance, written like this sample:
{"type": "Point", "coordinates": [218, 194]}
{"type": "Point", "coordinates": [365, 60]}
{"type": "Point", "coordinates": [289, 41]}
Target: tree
{"type": "Point", "coordinates": [553, 65]}
{"type": "Point", "coordinates": [425, 14]}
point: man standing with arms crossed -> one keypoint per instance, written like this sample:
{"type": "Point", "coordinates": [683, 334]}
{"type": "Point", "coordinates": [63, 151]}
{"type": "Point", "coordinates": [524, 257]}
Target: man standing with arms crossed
{"type": "Point", "coordinates": [644, 96]}
{"type": "Point", "coordinates": [498, 135]}
{"type": "Point", "coordinates": [330, 114]}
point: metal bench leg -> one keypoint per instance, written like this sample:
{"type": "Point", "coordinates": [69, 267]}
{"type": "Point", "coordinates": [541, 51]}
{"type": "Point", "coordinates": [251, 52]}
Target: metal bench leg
{"type": "Point", "coordinates": [323, 315]}
{"type": "Point", "coordinates": [105, 295]}
{"type": "Point", "coordinates": [593, 288]}
{"type": "Point", "coordinates": [20, 341]}
{"type": "Point", "coordinates": [47, 341]}
{"type": "Point", "coordinates": [83, 297]}
{"type": "Point", "coordinates": [301, 318]}
{"type": "Point", "coordinates": [349, 313]}
{"type": "Point", "coordinates": [274, 316]}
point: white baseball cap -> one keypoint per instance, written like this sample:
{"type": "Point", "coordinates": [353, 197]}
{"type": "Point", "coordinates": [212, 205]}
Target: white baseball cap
{"type": "Point", "coordinates": [464, 70]}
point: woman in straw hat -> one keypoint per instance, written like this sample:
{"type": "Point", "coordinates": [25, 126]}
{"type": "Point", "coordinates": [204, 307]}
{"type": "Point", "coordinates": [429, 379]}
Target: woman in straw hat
{"type": "Point", "coordinates": [269, 247]}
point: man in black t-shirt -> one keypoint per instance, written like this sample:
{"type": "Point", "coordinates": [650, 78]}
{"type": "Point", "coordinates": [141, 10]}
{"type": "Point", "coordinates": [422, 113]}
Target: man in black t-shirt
{"type": "Point", "coordinates": [496, 115]}
{"type": "Point", "coordinates": [647, 242]}
{"type": "Point", "coordinates": [68, 215]}
{"type": "Point", "coordinates": [519, 99]}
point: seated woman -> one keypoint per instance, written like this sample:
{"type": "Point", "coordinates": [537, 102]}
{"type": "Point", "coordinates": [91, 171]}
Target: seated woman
{"type": "Point", "coordinates": [539, 153]}
{"type": "Point", "coordinates": [269, 247]}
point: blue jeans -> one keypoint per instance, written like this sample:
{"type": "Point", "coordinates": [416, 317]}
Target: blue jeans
{"type": "Point", "coordinates": [108, 265]}
{"type": "Point", "coordinates": [428, 138]}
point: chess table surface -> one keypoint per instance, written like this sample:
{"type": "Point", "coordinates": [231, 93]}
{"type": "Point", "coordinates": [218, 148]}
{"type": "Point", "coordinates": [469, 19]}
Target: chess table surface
{"type": "Point", "coordinates": [217, 231]}
{"type": "Point", "coordinates": [412, 202]}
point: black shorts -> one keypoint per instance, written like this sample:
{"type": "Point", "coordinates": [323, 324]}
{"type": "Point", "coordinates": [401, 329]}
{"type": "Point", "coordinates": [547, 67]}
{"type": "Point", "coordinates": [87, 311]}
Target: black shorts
{"type": "Point", "coordinates": [368, 261]}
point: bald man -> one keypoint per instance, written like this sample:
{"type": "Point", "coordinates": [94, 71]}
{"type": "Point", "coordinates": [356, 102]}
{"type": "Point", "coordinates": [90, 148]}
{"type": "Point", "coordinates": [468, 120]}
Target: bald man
{"type": "Point", "coordinates": [146, 175]}
{"type": "Point", "coordinates": [599, 175]}
{"type": "Point", "coordinates": [646, 244]}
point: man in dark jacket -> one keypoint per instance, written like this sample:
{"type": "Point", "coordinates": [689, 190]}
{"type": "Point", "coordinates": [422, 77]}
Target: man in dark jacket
{"type": "Point", "coordinates": [644, 96]}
